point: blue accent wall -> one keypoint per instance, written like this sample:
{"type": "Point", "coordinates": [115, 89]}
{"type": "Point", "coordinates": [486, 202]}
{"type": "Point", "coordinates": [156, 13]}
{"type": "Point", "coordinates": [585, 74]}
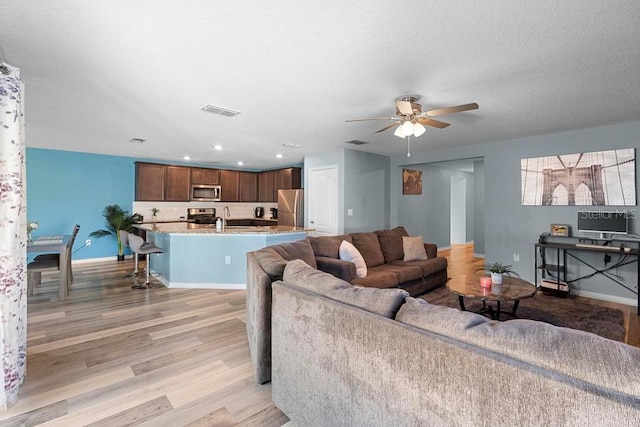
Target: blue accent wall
{"type": "Point", "coordinates": [65, 188]}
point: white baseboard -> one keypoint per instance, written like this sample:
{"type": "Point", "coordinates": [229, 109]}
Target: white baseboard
{"type": "Point", "coordinates": [188, 285]}
{"type": "Point", "coordinates": [225, 286]}
{"type": "Point", "coordinates": [478, 255]}
{"type": "Point", "coordinates": [442, 248]}
{"type": "Point", "coordinates": [604, 297]}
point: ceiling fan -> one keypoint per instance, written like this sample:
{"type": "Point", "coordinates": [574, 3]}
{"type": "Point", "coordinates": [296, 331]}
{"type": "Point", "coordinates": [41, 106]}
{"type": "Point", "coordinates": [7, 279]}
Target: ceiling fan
{"type": "Point", "coordinates": [410, 120]}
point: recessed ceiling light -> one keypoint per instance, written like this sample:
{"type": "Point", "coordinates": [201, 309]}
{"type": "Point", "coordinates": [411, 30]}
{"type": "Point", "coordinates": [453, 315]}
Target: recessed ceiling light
{"type": "Point", "coordinates": [137, 140]}
{"type": "Point", "coordinates": [187, 158]}
{"type": "Point", "coordinates": [218, 147]}
{"type": "Point", "coordinates": [290, 145]}
{"type": "Point", "coordinates": [279, 155]}
{"type": "Point", "coordinates": [240, 163]}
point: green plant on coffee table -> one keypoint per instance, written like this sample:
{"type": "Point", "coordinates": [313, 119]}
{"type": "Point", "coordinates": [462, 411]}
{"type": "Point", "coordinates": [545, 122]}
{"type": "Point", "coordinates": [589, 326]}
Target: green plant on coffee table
{"type": "Point", "coordinates": [499, 268]}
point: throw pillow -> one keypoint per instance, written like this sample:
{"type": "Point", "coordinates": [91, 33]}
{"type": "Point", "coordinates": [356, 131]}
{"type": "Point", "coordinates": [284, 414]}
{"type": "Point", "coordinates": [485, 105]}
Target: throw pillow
{"type": "Point", "coordinates": [413, 248]}
{"type": "Point", "coordinates": [348, 252]}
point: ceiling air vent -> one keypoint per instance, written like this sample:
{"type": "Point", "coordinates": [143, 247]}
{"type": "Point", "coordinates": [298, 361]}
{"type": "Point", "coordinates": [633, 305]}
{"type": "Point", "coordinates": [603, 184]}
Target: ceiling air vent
{"type": "Point", "coordinates": [357, 142]}
{"type": "Point", "coordinates": [220, 110]}
{"type": "Point", "coordinates": [137, 140]}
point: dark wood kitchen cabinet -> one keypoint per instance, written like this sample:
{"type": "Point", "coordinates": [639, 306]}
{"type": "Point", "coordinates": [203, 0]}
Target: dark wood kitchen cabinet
{"type": "Point", "coordinates": [158, 183]}
{"type": "Point", "coordinates": [288, 179]}
{"type": "Point", "coordinates": [150, 179]}
{"type": "Point", "coordinates": [266, 187]}
{"type": "Point", "coordinates": [205, 176]}
{"type": "Point", "coordinates": [230, 186]}
{"type": "Point", "coordinates": [248, 183]}
{"type": "Point", "coordinates": [177, 184]}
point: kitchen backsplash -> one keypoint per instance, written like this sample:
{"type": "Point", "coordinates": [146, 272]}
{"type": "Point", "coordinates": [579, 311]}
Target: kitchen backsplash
{"type": "Point", "coordinates": [174, 211]}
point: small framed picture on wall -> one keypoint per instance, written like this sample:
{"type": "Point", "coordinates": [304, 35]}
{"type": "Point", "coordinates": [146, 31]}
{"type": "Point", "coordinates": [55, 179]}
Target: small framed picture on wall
{"type": "Point", "coordinates": [561, 230]}
{"type": "Point", "coordinates": [411, 182]}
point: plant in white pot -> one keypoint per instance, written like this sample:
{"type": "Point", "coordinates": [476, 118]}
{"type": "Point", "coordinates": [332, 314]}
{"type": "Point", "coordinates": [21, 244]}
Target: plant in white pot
{"type": "Point", "coordinates": [498, 270]}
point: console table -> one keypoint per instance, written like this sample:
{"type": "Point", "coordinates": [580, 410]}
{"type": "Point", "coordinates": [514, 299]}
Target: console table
{"type": "Point", "coordinates": [571, 248]}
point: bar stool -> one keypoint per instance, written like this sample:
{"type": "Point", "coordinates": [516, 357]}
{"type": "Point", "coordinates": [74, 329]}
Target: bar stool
{"type": "Point", "coordinates": [139, 246]}
{"type": "Point", "coordinates": [124, 238]}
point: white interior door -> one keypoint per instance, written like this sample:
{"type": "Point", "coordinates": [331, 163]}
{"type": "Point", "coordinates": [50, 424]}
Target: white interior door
{"type": "Point", "coordinates": [323, 200]}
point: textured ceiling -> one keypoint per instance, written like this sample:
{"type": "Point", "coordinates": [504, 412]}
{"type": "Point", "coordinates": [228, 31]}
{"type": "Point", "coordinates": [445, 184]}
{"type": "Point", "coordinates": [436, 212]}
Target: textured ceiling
{"type": "Point", "coordinates": [100, 73]}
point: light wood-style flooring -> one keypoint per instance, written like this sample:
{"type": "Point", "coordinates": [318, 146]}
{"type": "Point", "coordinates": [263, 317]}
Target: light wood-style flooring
{"type": "Point", "coordinates": [114, 356]}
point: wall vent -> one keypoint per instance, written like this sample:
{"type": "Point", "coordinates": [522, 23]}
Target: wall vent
{"type": "Point", "coordinates": [357, 142]}
{"type": "Point", "coordinates": [220, 110]}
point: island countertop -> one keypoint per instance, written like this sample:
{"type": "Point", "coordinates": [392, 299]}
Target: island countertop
{"type": "Point", "coordinates": [189, 228]}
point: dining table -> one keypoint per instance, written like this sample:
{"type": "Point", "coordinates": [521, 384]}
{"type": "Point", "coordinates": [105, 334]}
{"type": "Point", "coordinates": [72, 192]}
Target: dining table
{"type": "Point", "coordinates": [55, 244]}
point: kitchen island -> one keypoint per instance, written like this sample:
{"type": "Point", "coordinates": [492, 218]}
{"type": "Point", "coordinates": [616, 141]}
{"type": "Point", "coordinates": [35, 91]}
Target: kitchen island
{"type": "Point", "coordinates": [202, 258]}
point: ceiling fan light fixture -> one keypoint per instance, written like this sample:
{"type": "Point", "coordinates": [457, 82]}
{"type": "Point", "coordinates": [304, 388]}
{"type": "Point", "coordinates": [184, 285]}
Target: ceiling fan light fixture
{"type": "Point", "coordinates": [398, 132]}
{"type": "Point", "coordinates": [418, 129]}
{"type": "Point", "coordinates": [407, 128]}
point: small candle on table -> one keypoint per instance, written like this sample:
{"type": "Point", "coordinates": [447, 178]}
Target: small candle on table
{"type": "Point", "coordinates": [485, 281]}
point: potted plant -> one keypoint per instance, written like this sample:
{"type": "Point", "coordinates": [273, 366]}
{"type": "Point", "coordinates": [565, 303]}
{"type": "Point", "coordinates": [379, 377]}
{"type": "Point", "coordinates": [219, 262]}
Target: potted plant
{"type": "Point", "coordinates": [117, 219]}
{"type": "Point", "coordinates": [154, 213]}
{"type": "Point", "coordinates": [497, 270]}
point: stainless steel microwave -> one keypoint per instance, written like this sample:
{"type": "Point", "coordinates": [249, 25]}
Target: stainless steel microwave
{"type": "Point", "coordinates": [205, 193]}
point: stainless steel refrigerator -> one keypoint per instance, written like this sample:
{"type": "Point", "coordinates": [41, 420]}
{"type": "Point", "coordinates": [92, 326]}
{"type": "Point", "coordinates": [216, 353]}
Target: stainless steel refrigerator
{"type": "Point", "coordinates": [291, 208]}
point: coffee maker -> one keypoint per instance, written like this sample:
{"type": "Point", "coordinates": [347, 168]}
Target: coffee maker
{"type": "Point", "coordinates": [274, 213]}
{"type": "Point", "coordinates": [259, 212]}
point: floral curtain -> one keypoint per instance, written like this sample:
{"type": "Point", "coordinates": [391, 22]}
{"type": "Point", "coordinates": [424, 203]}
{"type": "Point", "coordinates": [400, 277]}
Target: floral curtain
{"type": "Point", "coordinates": [13, 236]}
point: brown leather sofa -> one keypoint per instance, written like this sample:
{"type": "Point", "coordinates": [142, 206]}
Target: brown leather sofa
{"type": "Point", "coordinates": [382, 251]}
{"type": "Point", "coordinates": [383, 254]}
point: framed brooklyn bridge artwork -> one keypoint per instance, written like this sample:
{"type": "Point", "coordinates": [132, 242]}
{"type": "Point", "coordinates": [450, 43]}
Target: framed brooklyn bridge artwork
{"type": "Point", "coordinates": [598, 178]}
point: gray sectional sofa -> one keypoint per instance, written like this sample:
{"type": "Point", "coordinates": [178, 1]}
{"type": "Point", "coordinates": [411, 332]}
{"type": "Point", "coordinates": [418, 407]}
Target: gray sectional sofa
{"type": "Point", "coordinates": [344, 355]}
{"type": "Point", "coordinates": [382, 251]}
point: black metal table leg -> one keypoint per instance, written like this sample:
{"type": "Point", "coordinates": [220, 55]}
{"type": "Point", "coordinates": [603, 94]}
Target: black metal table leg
{"type": "Point", "coordinates": [497, 310]}
{"type": "Point", "coordinates": [461, 303]}
{"type": "Point", "coordinates": [515, 307]}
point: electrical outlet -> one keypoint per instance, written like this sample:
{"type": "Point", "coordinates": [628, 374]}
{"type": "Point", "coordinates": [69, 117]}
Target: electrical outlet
{"type": "Point", "coordinates": [227, 259]}
{"type": "Point", "coordinates": [349, 212]}
{"type": "Point", "coordinates": [87, 242]}
{"type": "Point", "coordinates": [516, 257]}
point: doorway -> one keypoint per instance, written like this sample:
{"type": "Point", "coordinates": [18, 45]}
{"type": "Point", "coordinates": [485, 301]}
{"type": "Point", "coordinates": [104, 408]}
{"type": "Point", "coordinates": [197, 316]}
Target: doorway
{"type": "Point", "coordinates": [458, 210]}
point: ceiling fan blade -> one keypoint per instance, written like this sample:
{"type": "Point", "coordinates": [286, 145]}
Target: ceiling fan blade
{"type": "Point", "coordinates": [372, 118]}
{"type": "Point", "coordinates": [387, 127]}
{"type": "Point", "coordinates": [430, 122]}
{"type": "Point", "coordinates": [456, 109]}
{"type": "Point", "coordinates": [405, 107]}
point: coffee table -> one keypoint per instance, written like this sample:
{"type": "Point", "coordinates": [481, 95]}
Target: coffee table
{"type": "Point", "coordinates": [512, 289]}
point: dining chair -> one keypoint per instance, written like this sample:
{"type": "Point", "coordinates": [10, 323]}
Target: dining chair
{"type": "Point", "coordinates": [56, 257]}
{"type": "Point", "coordinates": [36, 268]}
{"type": "Point", "coordinates": [139, 247]}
